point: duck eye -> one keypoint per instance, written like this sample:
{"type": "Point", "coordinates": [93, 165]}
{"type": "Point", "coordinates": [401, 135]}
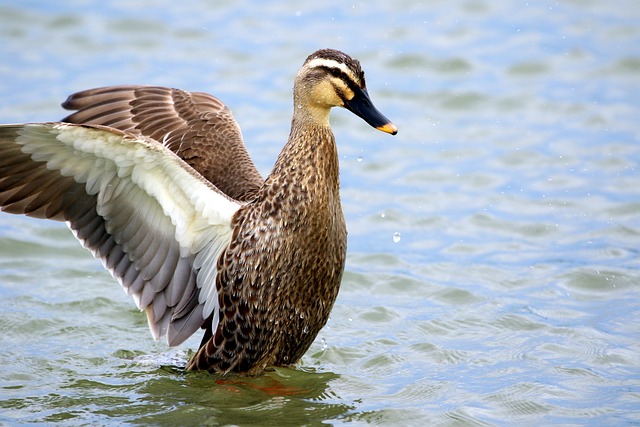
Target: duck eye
{"type": "Point", "coordinates": [335, 72]}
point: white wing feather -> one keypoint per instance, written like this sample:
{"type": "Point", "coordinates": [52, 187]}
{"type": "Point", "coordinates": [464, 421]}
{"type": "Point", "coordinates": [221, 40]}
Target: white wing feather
{"type": "Point", "coordinates": [148, 198]}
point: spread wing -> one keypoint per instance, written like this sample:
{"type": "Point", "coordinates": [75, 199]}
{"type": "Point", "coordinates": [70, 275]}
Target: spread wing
{"type": "Point", "coordinates": [157, 225]}
{"type": "Point", "coordinates": [196, 126]}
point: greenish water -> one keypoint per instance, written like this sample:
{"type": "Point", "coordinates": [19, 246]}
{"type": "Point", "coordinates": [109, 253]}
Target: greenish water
{"type": "Point", "coordinates": [493, 275]}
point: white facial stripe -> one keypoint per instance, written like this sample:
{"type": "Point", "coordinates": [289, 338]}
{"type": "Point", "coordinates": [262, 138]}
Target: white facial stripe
{"type": "Point", "coordinates": [330, 63]}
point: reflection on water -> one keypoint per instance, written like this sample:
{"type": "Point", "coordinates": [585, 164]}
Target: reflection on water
{"type": "Point", "coordinates": [492, 276]}
{"type": "Point", "coordinates": [174, 398]}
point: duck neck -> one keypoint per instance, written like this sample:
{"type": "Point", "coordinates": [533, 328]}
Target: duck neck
{"type": "Point", "coordinates": [307, 168]}
{"type": "Point", "coordinates": [309, 160]}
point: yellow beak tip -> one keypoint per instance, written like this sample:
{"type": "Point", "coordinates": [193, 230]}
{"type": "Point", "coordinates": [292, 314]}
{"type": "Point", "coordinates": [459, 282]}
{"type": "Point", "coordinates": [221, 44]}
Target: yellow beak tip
{"type": "Point", "coordinates": [388, 128]}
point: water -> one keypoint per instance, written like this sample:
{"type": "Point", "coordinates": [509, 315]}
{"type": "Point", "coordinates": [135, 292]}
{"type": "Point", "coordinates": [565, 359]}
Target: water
{"type": "Point", "coordinates": [493, 270]}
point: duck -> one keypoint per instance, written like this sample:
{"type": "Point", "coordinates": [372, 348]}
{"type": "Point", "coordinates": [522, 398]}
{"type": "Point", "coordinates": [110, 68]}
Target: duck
{"type": "Point", "coordinates": [158, 184]}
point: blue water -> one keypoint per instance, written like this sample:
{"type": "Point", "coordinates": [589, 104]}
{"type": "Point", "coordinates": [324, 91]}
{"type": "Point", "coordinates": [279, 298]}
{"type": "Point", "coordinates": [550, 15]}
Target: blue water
{"type": "Point", "coordinates": [493, 269]}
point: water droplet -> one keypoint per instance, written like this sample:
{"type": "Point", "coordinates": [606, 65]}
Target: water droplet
{"type": "Point", "coordinates": [285, 358]}
{"type": "Point", "coordinates": [305, 330]}
{"type": "Point", "coordinates": [324, 343]}
{"type": "Point", "coordinates": [396, 237]}
{"type": "Point", "coordinates": [302, 315]}
{"type": "Point", "coordinates": [359, 159]}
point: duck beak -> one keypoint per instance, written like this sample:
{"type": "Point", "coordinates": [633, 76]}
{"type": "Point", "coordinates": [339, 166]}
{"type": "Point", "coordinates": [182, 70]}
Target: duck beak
{"type": "Point", "coordinates": [361, 106]}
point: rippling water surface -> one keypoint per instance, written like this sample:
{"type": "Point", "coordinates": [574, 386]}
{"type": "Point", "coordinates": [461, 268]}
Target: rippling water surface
{"type": "Point", "coordinates": [493, 272]}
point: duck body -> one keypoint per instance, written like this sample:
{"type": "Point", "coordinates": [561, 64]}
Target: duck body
{"type": "Point", "coordinates": [158, 184]}
{"type": "Point", "coordinates": [273, 301]}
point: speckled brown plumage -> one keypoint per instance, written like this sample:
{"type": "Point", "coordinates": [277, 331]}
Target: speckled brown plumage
{"type": "Point", "coordinates": [281, 273]}
{"type": "Point", "coordinates": [256, 264]}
